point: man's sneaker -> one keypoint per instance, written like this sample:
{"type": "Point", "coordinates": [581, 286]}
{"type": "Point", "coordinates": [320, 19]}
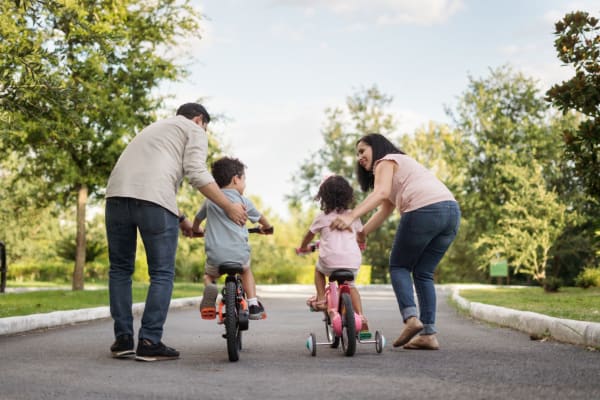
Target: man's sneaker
{"type": "Point", "coordinates": [148, 351]}
{"type": "Point", "coordinates": [207, 305]}
{"type": "Point", "coordinates": [256, 311]}
{"type": "Point", "coordinates": [122, 347]}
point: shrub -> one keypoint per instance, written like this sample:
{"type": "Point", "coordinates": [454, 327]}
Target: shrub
{"type": "Point", "coordinates": [589, 277]}
{"type": "Point", "coordinates": [552, 284]}
{"type": "Point", "coordinates": [46, 271]}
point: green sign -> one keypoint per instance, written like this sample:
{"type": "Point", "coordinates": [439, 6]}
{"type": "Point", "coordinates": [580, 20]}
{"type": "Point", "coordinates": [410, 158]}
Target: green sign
{"type": "Point", "coordinates": [499, 269]}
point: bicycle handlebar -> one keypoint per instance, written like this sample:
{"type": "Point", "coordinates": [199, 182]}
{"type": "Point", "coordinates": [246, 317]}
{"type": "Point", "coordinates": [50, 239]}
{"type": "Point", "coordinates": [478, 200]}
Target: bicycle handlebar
{"type": "Point", "coordinates": [256, 229]}
{"type": "Point", "coordinates": [312, 247]}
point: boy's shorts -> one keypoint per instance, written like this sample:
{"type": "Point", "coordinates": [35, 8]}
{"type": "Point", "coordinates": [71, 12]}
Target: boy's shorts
{"type": "Point", "coordinates": [213, 271]}
{"type": "Point", "coordinates": [327, 271]}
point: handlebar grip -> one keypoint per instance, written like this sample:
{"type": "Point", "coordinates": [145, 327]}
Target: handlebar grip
{"type": "Point", "coordinates": [256, 229]}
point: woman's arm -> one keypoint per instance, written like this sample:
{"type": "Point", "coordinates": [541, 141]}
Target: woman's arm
{"type": "Point", "coordinates": [385, 210]}
{"type": "Point", "coordinates": [381, 191]}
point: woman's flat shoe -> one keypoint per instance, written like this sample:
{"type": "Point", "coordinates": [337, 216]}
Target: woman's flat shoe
{"type": "Point", "coordinates": [423, 342]}
{"type": "Point", "coordinates": [411, 328]}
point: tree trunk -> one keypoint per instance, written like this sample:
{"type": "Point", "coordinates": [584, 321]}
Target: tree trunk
{"type": "Point", "coordinates": [80, 249]}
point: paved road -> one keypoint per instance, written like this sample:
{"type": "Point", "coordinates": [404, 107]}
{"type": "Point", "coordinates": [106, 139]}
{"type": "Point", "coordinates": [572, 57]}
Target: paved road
{"type": "Point", "coordinates": [476, 361]}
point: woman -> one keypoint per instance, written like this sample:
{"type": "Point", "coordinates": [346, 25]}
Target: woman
{"type": "Point", "coordinates": [429, 221]}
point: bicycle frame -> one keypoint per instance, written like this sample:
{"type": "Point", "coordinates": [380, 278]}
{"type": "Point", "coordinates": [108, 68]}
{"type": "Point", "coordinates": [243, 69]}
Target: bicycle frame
{"type": "Point", "coordinates": [333, 294]}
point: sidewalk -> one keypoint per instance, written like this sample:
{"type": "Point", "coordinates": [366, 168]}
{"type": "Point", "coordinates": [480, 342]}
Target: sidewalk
{"type": "Point", "coordinates": [569, 331]}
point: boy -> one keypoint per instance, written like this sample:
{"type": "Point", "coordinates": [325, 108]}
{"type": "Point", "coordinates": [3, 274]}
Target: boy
{"type": "Point", "coordinates": [224, 240]}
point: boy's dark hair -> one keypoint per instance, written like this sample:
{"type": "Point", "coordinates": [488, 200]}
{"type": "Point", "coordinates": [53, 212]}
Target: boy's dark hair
{"type": "Point", "coordinates": [380, 147]}
{"type": "Point", "coordinates": [224, 169]}
{"type": "Point", "coordinates": [335, 194]}
{"type": "Point", "coordinates": [191, 110]}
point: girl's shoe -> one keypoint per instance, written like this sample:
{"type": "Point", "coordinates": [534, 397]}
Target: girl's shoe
{"type": "Point", "coordinates": [316, 305]}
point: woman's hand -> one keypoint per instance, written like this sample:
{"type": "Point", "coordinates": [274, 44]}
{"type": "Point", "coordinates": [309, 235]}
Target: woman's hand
{"type": "Point", "coordinates": [342, 222]}
{"type": "Point", "coordinates": [361, 239]}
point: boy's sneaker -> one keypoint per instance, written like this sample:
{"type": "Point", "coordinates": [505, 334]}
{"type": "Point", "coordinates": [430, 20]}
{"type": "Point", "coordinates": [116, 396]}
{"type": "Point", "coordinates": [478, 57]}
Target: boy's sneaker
{"type": "Point", "coordinates": [122, 347]}
{"type": "Point", "coordinates": [148, 351]}
{"type": "Point", "coordinates": [207, 305]}
{"type": "Point", "coordinates": [256, 311]}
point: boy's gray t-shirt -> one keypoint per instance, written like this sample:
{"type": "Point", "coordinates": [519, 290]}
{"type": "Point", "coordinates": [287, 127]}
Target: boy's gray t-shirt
{"type": "Point", "coordinates": [224, 240]}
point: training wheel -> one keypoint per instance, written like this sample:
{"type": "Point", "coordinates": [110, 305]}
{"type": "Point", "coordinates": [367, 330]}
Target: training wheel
{"type": "Point", "coordinates": [311, 344]}
{"type": "Point", "coordinates": [379, 342]}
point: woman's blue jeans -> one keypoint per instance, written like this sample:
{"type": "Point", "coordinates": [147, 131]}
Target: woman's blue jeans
{"type": "Point", "coordinates": [159, 230]}
{"type": "Point", "coordinates": [422, 238]}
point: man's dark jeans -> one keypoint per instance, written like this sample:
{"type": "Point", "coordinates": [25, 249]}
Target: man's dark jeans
{"type": "Point", "coordinates": [159, 230]}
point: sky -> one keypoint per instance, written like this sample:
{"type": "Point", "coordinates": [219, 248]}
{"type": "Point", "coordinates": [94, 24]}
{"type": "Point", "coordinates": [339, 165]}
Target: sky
{"type": "Point", "coordinates": [273, 67]}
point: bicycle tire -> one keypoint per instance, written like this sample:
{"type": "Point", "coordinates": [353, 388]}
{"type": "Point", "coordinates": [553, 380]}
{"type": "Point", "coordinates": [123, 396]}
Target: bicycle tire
{"type": "Point", "coordinates": [231, 321]}
{"type": "Point", "coordinates": [348, 325]}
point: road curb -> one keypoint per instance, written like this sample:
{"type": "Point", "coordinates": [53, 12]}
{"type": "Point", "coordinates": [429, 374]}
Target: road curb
{"type": "Point", "coordinates": [537, 325]}
{"type": "Point", "coordinates": [12, 325]}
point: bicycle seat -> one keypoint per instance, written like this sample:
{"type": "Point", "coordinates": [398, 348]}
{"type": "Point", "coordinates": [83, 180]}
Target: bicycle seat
{"type": "Point", "coordinates": [231, 268]}
{"type": "Point", "coordinates": [341, 275]}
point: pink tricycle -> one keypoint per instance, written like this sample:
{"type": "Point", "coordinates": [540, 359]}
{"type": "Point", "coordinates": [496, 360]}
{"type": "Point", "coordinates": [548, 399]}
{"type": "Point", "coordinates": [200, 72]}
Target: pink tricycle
{"type": "Point", "coordinates": [341, 322]}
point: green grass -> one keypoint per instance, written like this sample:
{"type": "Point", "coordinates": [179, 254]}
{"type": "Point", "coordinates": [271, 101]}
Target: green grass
{"type": "Point", "coordinates": [43, 301]}
{"type": "Point", "coordinates": [569, 302]}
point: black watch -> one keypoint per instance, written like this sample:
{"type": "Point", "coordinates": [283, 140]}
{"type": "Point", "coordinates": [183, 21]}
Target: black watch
{"type": "Point", "coordinates": [181, 218]}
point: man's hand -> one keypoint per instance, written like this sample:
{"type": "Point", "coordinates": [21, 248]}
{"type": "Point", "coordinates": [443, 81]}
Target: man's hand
{"type": "Point", "coordinates": [237, 213]}
{"type": "Point", "coordinates": [186, 228]}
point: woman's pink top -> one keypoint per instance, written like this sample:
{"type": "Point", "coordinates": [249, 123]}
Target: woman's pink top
{"type": "Point", "coordinates": [337, 249]}
{"type": "Point", "coordinates": [413, 185]}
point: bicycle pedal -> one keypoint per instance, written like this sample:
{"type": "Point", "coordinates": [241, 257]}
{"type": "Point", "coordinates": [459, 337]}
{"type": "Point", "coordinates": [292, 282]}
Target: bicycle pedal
{"type": "Point", "coordinates": [363, 335]}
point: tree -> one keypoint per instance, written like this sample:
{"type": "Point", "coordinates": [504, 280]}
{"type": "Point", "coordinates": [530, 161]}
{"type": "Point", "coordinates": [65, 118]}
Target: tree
{"type": "Point", "coordinates": [25, 218]}
{"type": "Point", "coordinates": [578, 43]}
{"type": "Point", "coordinates": [531, 222]}
{"type": "Point", "coordinates": [365, 112]}
{"type": "Point", "coordinates": [503, 121]}
{"type": "Point", "coordinates": [77, 81]}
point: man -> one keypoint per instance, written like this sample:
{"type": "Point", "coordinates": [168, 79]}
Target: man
{"type": "Point", "coordinates": [140, 195]}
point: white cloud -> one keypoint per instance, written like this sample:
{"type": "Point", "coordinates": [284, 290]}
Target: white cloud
{"type": "Point", "coordinates": [387, 12]}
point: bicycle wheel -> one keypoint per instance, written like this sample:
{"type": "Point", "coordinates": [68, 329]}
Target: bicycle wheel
{"type": "Point", "coordinates": [231, 322]}
{"type": "Point", "coordinates": [348, 327]}
{"type": "Point", "coordinates": [379, 341]}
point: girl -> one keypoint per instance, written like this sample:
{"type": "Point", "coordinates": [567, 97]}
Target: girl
{"type": "Point", "coordinates": [338, 249]}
